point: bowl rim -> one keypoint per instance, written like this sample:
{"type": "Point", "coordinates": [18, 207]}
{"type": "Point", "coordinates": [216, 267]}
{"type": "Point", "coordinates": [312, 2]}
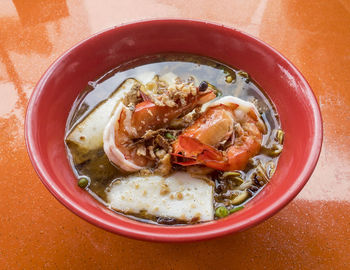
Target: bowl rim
{"type": "Point", "coordinates": [279, 204]}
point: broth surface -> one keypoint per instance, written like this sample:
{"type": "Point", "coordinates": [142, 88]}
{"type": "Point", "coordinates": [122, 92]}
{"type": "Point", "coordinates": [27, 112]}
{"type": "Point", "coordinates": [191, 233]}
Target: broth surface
{"type": "Point", "coordinates": [229, 81]}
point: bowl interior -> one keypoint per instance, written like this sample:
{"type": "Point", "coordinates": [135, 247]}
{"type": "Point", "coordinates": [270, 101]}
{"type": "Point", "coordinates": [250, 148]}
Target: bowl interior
{"type": "Point", "coordinates": [60, 85]}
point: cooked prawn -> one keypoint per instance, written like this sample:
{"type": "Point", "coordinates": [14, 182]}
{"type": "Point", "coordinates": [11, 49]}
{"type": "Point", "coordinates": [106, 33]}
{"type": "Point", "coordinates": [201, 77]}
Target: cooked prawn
{"type": "Point", "coordinates": [126, 125]}
{"type": "Point", "coordinates": [231, 124]}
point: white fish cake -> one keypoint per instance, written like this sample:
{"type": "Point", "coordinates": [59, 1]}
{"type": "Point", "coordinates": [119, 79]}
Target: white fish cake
{"type": "Point", "coordinates": [88, 134]}
{"type": "Point", "coordinates": [177, 196]}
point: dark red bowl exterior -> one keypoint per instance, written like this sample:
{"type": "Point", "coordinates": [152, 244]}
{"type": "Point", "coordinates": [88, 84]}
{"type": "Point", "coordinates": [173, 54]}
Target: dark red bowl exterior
{"type": "Point", "coordinates": [56, 91]}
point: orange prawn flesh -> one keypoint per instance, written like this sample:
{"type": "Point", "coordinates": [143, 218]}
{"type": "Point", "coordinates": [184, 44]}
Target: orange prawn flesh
{"type": "Point", "coordinates": [126, 125]}
{"type": "Point", "coordinates": [231, 124]}
{"type": "Point", "coordinates": [148, 115]}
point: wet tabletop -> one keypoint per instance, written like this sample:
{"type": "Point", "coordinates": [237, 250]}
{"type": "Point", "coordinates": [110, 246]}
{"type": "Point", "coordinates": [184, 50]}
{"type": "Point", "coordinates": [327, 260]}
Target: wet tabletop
{"type": "Point", "coordinates": [312, 232]}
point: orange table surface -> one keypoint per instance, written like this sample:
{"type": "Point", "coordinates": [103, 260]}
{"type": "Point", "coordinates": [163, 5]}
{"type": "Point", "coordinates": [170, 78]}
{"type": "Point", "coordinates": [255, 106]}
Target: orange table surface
{"type": "Point", "coordinates": [312, 232]}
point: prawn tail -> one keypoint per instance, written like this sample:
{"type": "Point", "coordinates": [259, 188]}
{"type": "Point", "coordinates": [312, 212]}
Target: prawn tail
{"type": "Point", "coordinates": [200, 153]}
{"type": "Point", "coordinates": [192, 147]}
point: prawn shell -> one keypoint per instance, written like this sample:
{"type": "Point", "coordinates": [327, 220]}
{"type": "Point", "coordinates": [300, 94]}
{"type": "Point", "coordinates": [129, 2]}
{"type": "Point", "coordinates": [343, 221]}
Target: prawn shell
{"type": "Point", "coordinates": [243, 105]}
{"type": "Point", "coordinates": [235, 157]}
{"type": "Point", "coordinates": [109, 146]}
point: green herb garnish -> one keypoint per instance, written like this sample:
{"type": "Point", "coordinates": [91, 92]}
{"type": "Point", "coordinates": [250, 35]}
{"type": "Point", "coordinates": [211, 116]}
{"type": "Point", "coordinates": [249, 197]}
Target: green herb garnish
{"type": "Point", "coordinates": [83, 182]}
{"type": "Point", "coordinates": [221, 212]}
{"type": "Point", "coordinates": [233, 210]}
{"type": "Point", "coordinates": [169, 136]}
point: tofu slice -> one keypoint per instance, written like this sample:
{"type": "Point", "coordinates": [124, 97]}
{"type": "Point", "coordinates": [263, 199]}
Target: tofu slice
{"type": "Point", "coordinates": [177, 196]}
{"type": "Point", "coordinates": [88, 134]}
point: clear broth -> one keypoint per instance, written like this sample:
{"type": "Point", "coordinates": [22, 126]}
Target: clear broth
{"type": "Point", "coordinates": [102, 173]}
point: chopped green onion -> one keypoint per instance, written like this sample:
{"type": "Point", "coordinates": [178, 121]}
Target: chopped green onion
{"type": "Point", "coordinates": [274, 151]}
{"type": "Point", "coordinates": [261, 171]}
{"type": "Point", "coordinates": [270, 168]}
{"type": "Point", "coordinates": [243, 74]}
{"type": "Point", "coordinates": [83, 182]}
{"type": "Point", "coordinates": [233, 210]}
{"type": "Point", "coordinates": [233, 174]}
{"type": "Point", "coordinates": [169, 136]}
{"type": "Point", "coordinates": [240, 198]}
{"type": "Point", "coordinates": [238, 180]}
{"type": "Point", "coordinates": [217, 92]}
{"type": "Point", "coordinates": [280, 136]}
{"type": "Point", "coordinates": [221, 212]}
{"type": "Point", "coordinates": [228, 79]}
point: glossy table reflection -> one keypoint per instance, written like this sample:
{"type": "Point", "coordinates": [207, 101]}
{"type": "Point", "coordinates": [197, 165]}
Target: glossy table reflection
{"type": "Point", "coordinates": [312, 232]}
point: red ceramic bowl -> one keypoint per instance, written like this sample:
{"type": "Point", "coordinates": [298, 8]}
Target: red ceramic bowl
{"type": "Point", "coordinates": [56, 91]}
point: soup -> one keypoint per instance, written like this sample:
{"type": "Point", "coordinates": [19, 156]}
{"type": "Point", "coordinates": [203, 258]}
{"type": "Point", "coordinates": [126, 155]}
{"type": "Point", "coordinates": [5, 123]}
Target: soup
{"type": "Point", "coordinates": [173, 139]}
